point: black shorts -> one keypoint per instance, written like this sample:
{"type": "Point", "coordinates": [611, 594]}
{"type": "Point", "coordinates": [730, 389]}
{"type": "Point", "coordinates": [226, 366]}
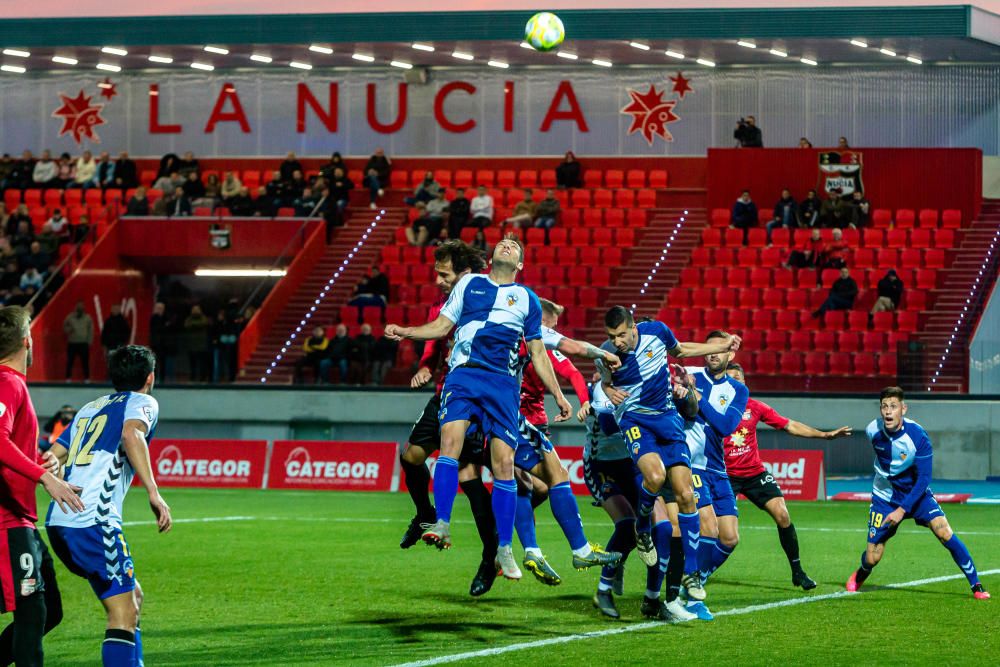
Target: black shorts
{"type": "Point", "coordinates": [28, 564]}
{"type": "Point", "coordinates": [426, 434]}
{"type": "Point", "coordinates": [758, 489]}
{"type": "Point", "coordinates": [611, 478]}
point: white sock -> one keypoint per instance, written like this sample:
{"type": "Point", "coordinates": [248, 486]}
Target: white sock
{"type": "Point", "coordinates": [583, 551]}
{"type": "Point", "coordinates": [652, 595]}
{"type": "Point", "coordinates": [533, 551]}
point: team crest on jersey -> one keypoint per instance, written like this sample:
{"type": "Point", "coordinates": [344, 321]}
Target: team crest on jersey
{"type": "Point", "coordinates": [723, 400]}
{"type": "Point", "coordinates": [511, 299]}
{"type": "Point", "coordinates": [902, 456]}
{"type": "Point", "coordinates": [871, 532]}
{"type": "Point", "coordinates": [649, 354]}
{"type": "Point", "coordinates": [747, 414]}
{"type": "Point", "coordinates": [28, 586]}
{"type": "Point", "coordinates": [635, 449]}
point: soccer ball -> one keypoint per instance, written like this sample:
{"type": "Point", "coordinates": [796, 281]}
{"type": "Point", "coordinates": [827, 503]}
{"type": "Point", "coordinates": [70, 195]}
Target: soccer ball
{"type": "Point", "coordinates": [544, 31]}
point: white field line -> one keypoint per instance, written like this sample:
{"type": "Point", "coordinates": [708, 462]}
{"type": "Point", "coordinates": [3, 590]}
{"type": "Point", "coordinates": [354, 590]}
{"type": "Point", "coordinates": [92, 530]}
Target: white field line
{"type": "Point", "coordinates": [648, 625]}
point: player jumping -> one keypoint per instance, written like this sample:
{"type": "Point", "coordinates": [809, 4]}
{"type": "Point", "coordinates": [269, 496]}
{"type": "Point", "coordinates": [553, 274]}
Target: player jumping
{"type": "Point", "coordinates": [903, 462]}
{"type": "Point", "coordinates": [104, 448]}
{"type": "Point", "coordinates": [748, 476]}
{"type": "Point", "coordinates": [491, 313]}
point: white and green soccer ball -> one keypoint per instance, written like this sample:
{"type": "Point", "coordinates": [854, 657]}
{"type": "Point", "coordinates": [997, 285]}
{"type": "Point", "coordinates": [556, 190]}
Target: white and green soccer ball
{"type": "Point", "coordinates": [544, 31]}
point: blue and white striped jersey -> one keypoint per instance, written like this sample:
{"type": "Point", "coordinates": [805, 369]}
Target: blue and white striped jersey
{"type": "Point", "coordinates": [645, 371]}
{"type": "Point", "coordinates": [903, 462]}
{"type": "Point", "coordinates": [97, 461]}
{"type": "Point", "coordinates": [720, 411]}
{"type": "Point", "coordinates": [490, 320]}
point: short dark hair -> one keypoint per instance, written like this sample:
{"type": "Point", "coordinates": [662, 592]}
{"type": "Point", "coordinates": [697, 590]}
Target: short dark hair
{"type": "Point", "coordinates": [891, 392]}
{"type": "Point", "coordinates": [717, 333]}
{"type": "Point", "coordinates": [551, 307]}
{"type": "Point", "coordinates": [733, 366]}
{"type": "Point", "coordinates": [15, 326]}
{"type": "Point", "coordinates": [462, 255]}
{"type": "Point", "coordinates": [618, 315]}
{"type": "Point", "coordinates": [129, 366]}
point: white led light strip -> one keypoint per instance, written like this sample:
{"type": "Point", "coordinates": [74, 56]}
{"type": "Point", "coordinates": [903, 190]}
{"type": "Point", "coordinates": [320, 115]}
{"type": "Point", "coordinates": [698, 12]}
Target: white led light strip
{"type": "Point", "coordinates": [965, 309]}
{"type": "Point", "coordinates": [322, 295]}
{"type": "Point", "coordinates": [663, 257]}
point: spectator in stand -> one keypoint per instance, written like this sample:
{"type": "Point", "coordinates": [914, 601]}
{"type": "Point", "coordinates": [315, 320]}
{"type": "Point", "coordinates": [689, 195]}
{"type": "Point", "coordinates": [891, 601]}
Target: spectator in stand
{"type": "Point", "coordinates": [47, 240]}
{"type": "Point", "coordinates": [79, 330]}
{"type": "Point", "coordinates": [860, 209]}
{"type": "Point", "coordinates": [213, 193]}
{"type": "Point", "coordinates": [437, 210]}
{"type": "Point", "coordinates": [340, 189]}
{"type": "Point", "coordinates": [197, 327]}
{"type": "Point", "coordinates": [60, 226]}
{"type": "Point", "coordinates": [242, 205]}
{"type": "Point", "coordinates": [46, 171]}
{"type": "Point", "coordinates": [339, 352]}
{"type": "Point", "coordinates": [427, 190]}
{"type": "Point", "coordinates": [22, 239]}
{"type": "Point", "coordinates": [288, 167]}
{"type": "Point", "coordinates": [81, 230]}
{"type": "Point", "coordinates": [4, 218]}
{"type": "Point", "coordinates": [231, 187]}
{"type": "Point", "coordinates": [177, 205]}
{"type": "Point", "coordinates": [835, 252]}
{"type": "Point", "coordinates": [86, 171]}
{"type": "Point", "coordinates": [31, 279]}
{"type": "Point", "coordinates": [138, 204]}
{"type": "Point", "coordinates": [378, 170]}
{"type": "Point", "coordinates": [744, 214]}
{"type": "Point", "coordinates": [306, 204]}
{"type": "Point", "coordinates": [842, 144]}
{"type": "Point", "coordinates": [116, 332]}
{"type": "Point", "coordinates": [421, 231]}
{"type": "Point", "coordinates": [374, 185]}
{"type": "Point", "coordinates": [805, 143]}
{"type": "Point", "coordinates": [336, 162]}
{"type": "Point", "coordinates": [371, 290]}
{"type": "Point", "coordinates": [479, 243]}
{"type": "Point", "coordinates": [55, 426]}
{"type": "Point", "coordinates": [383, 358]}
{"type": "Point", "coordinates": [890, 293]}
{"type": "Point", "coordinates": [835, 212]}
{"type": "Point", "coordinates": [569, 173]}
{"type": "Point", "coordinates": [315, 356]}
{"type": "Point", "coordinates": [225, 337]}
{"type": "Point", "coordinates": [168, 182]}
{"type": "Point", "coordinates": [163, 341]}
{"type": "Point", "coordinates": [169, 164]}
{"type": "Point", "coordinates": [547, 212]}
{"type": "Point", "coordinates": [809, 210]}
{"type": "Point", "coordinates": [188, 164]}
{"type": "Point", "coordinates": [66, 173]}
{"type": "Point", "coordinates": [105, 176]}
{"type": "Point", "coordinates": [24, 169]}
{"type": "Point", "coordinates": [459, 210]}
{"type": "Point", "coordinates": [263, 206]}
{"type": "Point", "coordinates": [35, 258]}
{"type": "Point", "coordinates": [482, 208]}
{"type": "Point", "coordinates": [362, 351]}
{"type": "Point", "coordinates": [842, 294]}
{"type": "Point", "coordinates": [524, 211]}
{"type": "Point", "coordinates": [747, 134]}
{"type": "Point", "coordinates": [19, 215]}
{"type": "Point", "coordinates": [9, 279]}
{"type": "Point", "coordinates": [294, 188]}
{"type": "Point", "coordinates": [193, 188]}
{"type": "Point", "coordinates": [7, 167]}
{"type": "Point", "coordinates": [126, 174]}
{"type": "Point", "coordinates": [785, 214]}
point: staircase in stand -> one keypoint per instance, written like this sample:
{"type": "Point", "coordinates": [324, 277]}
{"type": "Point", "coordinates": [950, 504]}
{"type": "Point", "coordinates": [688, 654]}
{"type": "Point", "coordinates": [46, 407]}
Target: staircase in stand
{"type": "Point", "coordinates": [303, 298]}
{"type": "Point", "coordinates": [956, 287]}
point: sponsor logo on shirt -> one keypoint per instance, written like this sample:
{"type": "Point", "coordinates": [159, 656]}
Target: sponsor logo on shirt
{"type": "Point", "coordinates": [478, 292]}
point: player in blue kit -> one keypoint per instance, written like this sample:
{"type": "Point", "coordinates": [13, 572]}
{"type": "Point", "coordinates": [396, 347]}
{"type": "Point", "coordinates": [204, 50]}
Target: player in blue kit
{"type": "Point", "coordinates": [490, 313]}
{"type": "Point", "coordinates": [654, 431]}
{"type": "Point", "coordinates": [104, 448]}
{"type": "Point", "coordinates": [903, 461]}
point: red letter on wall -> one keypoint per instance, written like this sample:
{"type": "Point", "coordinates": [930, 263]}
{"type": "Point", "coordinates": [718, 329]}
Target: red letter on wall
{"type": "Point", "coordinates": [154, 113]}
{"type": "Point", "coordinates": [574, 112]}
{"type": "Point", "coordinates": [304, 97]}
{"type": "Point", "coordinates": [395, 125]}
{"type": "Point", "coordinates": [439, 99]}
{"type": "Point", "coordinates": [508, 106]}
{"type": "Point", "coordinates": [236, 115]}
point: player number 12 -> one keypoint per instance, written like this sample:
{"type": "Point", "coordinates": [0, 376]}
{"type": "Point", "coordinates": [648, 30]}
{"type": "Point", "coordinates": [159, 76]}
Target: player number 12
{"type": "Point", "coordinates": [92, 427]}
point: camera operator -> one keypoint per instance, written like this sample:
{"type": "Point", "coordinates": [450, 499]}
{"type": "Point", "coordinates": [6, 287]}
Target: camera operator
{"type": "Point", "coordinates": [747, 134]}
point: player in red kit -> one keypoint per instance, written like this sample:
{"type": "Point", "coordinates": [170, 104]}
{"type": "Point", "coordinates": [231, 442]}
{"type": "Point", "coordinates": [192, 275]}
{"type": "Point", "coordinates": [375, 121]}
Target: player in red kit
{"type": "Point", "coordinates": [749, 477]}
{"type": "Point", "coordinates": [27, 577]}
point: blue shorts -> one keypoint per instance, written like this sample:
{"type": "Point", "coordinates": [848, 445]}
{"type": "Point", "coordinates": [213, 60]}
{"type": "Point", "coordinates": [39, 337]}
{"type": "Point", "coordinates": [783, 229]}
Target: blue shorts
{"type": "Point", "coordinates": [924, 510]}
{"type": "Point", "coordinates": [656, 434]}
{"type": "Point", "coordinates": [99, 554]}
{"type": "Point", "coordinates": [711, 488]}
{"type": "Point", "coordinates": [489, 399]}
{"type": "Point", "coordinates": [532, 445]}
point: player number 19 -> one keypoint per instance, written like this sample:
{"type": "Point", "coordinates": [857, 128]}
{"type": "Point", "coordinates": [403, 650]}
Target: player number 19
{"type": "Point", "coordinates": [633, 434]}
{"type": "Point", "coordinates": [876, 520]}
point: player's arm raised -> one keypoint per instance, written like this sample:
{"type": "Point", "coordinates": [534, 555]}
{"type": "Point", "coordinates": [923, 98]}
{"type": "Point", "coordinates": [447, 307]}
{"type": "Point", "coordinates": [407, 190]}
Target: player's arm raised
{"type": "Point", "coordinates": [689, 349]}
{"type": "Point", "coordinates": [543, 366]}
{"type": "Point", "coordinates": [439, 328]}
{"type": "Point", "coordinates": [806, 431]}
{"type": "Point", "coordinates": [584, 350]}
{"type": "Point", "coordinates": [134, 441]}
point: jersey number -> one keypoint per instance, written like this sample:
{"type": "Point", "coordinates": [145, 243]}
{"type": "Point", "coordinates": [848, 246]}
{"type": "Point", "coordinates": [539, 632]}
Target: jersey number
{"type": "Point", "coordinates": [92, 427]}
{"type": "Point", "coordinates": [697, 480]}
{"type": "Point", "coordinates": [633, 434]}
{"type": "Point", "coordinates": [876, 520]}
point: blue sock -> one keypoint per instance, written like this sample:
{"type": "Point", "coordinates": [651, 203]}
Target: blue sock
{"type": "Point", "coordinates": [655, 574]}
{"type": "Point", "coordinates": [962, 558]}
{"type": "Point", "coordinates": [524, 521]}
{"type": "Point", "coordinates": [622, 541]}
{"type": "Point", "coordinates": [690, 532]}
{"type": "Point", "coordinates": [118, 649]}
{"type": "Point", "coordinates": [643, 522]}
{"type": "Point", "coordinates": [445, 486]}
{"type": "Point", "coordinates": [567, 514]}
{"type": "Point", "coordinates": [138, 647]}
{"type": "Point", "coordinates": [504, 508]}
{"type": "Point", "coordinates": [720, 552]}
{"type": "Point", "coordinates": [705, 548]}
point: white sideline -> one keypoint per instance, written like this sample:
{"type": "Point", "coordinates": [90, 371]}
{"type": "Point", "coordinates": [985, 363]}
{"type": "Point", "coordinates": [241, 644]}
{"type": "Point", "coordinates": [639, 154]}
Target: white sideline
{"type": "Point", "coordinates": [645, 626]}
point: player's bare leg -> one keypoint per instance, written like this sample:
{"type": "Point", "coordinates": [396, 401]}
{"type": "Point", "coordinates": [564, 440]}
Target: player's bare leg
{"type": "Point", "coordinates": [446, 483]}
{"type": "Point", "coordinates": [690, 526]}
{"type": "Point", "coordinates": [504, 505]}
{"type": "Point", "coordinates": [654, 475]}
{"type": "Point", "coordinates": [778, 510]}
{"type": "Point", "coordinates": [413, 462]}
{"type": "Point", "coordinates": [869, 559]}
{"type": "Point", "coordinates": [950, 541]}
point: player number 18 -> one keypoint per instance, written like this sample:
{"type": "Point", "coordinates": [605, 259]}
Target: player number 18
{"type": "Point", "coordinates": [633, 434]}
{"type": "Point", "coordinates": [876, 520]}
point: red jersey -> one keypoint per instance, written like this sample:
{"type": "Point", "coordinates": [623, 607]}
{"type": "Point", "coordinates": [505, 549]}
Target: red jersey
{"type": "Point", "coordinates": [435, 356]}
{"type": "Point", "coordinates": [742, 457]}
{"type": "Point", "coordinates": [533, 390]}
{"type": "Point", "coordinates": [19, 469]}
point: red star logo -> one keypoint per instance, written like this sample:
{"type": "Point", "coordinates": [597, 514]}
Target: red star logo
{"type": "Point", "coordinates": [107, 89]}
{"type": "Point", "coordinates": [682, 85]}
{"type": "Point", "coordinates": [79, 117]}
{"type": "Point", "coordinates": [650, 114]}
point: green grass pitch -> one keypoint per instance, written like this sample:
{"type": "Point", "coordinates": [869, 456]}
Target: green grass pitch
{"type": "Point", "coordinates": [314, 578]}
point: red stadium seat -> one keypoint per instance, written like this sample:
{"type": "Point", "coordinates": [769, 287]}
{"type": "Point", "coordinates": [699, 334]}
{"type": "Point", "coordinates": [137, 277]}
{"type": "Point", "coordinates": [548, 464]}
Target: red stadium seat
{"type": "Point", "coordinates": [527, 178]}
{"type": "Point", "coordinates": [739, 320]}
{"type": "Point", "coordinates": [863, 258]}
{"type": "Point", "coordinates": [73, 197]}
{"type": "Point", "coordinates": [547, 178]}
{"type": "Point", "coordinates": [943, 238]}
{"type": "Point", "coordinates": [911, 258]}
{"type": "Point", "coordinates": [724, 256]}
{"type": "Point", "coordinates": [764, 216]}
{"type": "Point", "coordinates": [535, 237]}
{"type": "Point", "coordinates": [614, 217]}
{"type": "Point", "coordinates": [915, 299]}
{"type": "Point", "coordinates": [603, 236]}
{"type": "Point", "coordinates": [781, 237]}
{"type": "Point", "coordinates": [625, 198]}
{"type": "Point", "coordinates": [823, 341]}
{"type": "Point", "coordinates": [701, 256]}
{"type": "Point", "coordinates": [485, 177]}
{"type": "Point", "coordinates": [726, 298]}
{"type": "Point", "coordinates": [720, 217]}
{"type": "Point", "coordinates": [905, 218]}
{"type": "Point", "coordinates": [790, 363]}
{"type": "Point", "coordinates": [934, 258]}
{"type": "Point", "coordinates": [679, 297]}
{"type": "Point", "coordinates": [884, 321]}
{"type": "Point", "coordinates": [928, 218]}
{"type": "Point", "coordinates": [733, 237]}
{"type": "Point", "coordinates": [849, 341]}
{"type": "Point", "coordinates": [463, 179]}
{"type": "Point", "coordinates": [612, 256]}
{"type": "Point", "coordinates": [749, 297]}
{"type": "Point", "coordinates": [752, 339]}
{"type": "Point", "coordinates": [886, 258]}
{"type": "Point", "coordinates": [11, 198]}
{"type": "Point", "coordinates": [921, 238]}
{"type": "Point", "coordinates": [951, 218]}
{"type": "Point", "coordinates": [797, 299]}
{"type": "Point", "coordinates": [762, 320]}
{"type": "Point", "coordinates": [907, 320]}
{"type": "Point", "coordinates": [852, 237]}
{"type": "Point", "coordinates": [873, 341]}
{"type": "Point", "coordinates": [887, 363]}
{"type": "Point", "coordinates": [757, 238]}
{"type": "Point", "coordinates": [857, 320]}
{"type": "Point", "coordinates": [881, 217]}
{"type": "Point", "coordinates": [593, 178]}
{"type": "Point", "coordinates": [646, 198]}
{"type": "Point", "coordinates": [716, 319]}
{"type": "Point", "coordinates": [558, 236]}
{"type": "Point", "coordinates": [635, 179]}
{"type": "Point", "coordinates": [778, 340]}
{"type": "Point", "coordinates": [773, 298]}
{"type": "Point", "coordinates": [840, 363]}
{"type": "Point", "coordinates": [787, 320]}
{"type": "Point", "coordinates": [600, 276]}
{"type": "Point", "coordinates": [760, 277]}
{"type": "Point", "coordinates": [897, 238]}
{"type": "Point", "coordinates": [873, 238]}
{"type": "Point", "coordinates": [737, 275]}
{"type": "Point", "coordinates": [783, 278]}
{"type": "Point", "coordinates": [712, 278]}
{"type": "Point", "coordinates": [580, 199]}
{"type": "Point", "coordinates": [765, 363]}
{"type": "Point", "coordinates": [636, 217]}
{"type": "Point", "coordinates": [603, 198]}
{"type": "Point", "coordinates": [816, 363]}
{"type": "Point", "coordinates": [614, 179]}
{"type": "Point", "coordinates": [835, 320]}
{"type": "Point", "coordinates": [711, 238]}
{"type": "Point", "coordinates": [506, 178]}
{"type": "Point", "coordinates": [53, 198]}
{"type": "Point", "coordinates": [864, 364]}
{"type": "Point", "coordinates": [703, 297]}
{"type": "Point", "coordinates": [926, 279]}
{"type": "Point", "coordinates": [748, 257]}
{"type": "Point", "coordinates": [625, 237]}
{"type": "Point", "coordinates": [658, 178]}
{"type": "Point", "coordinates": [574, 276]}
